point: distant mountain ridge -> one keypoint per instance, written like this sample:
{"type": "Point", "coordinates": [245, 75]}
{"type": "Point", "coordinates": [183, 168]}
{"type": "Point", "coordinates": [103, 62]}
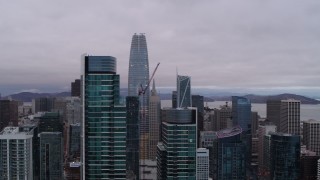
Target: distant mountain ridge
{"type": "Point", "coordinates": [263, 99]}
{"type": "Point", "coordinates": [28, 96]}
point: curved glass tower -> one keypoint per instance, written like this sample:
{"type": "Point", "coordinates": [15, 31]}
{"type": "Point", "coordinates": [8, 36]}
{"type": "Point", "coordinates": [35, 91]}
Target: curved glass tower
{"type": "Point", "coordinates": [137, 79]}
{"type": "Point", "coordinates": [138, 66]}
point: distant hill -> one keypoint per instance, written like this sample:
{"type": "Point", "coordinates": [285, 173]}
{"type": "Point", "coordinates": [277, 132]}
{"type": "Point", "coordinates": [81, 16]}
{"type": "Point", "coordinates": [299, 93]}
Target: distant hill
{"type": "Point", "coordinates": [28, 96]}
{"type": "Point", "coordinates": [263, 99]}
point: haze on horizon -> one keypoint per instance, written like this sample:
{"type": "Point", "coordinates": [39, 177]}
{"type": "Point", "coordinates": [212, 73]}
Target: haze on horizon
{"type": "Point", "coordinates": [250, 45]}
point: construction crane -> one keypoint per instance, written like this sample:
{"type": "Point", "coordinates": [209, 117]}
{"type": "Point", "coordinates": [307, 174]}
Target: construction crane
{"type": "Point", "coordinates": [142, 92]}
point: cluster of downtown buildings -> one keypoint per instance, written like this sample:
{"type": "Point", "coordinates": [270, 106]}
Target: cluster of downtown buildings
{"type": "Point", "coordinates": [97, 134]}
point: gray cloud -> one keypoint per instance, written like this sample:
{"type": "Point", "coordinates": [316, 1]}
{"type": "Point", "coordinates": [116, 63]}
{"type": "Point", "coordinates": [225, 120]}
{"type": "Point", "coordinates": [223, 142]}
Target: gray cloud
{"type": "Point", "coordinates": [243, 44]}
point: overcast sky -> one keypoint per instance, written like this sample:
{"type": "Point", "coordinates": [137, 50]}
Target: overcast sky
{"type": "Point", "coordinates": [222, 44]}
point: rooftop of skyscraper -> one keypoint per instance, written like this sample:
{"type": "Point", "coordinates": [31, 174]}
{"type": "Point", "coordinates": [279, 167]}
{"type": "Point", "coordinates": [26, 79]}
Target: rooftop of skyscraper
{"type": "Point", "coordinates": [229, 132]}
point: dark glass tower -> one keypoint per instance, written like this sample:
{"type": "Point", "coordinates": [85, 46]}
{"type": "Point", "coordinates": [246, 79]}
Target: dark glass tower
{"type": "Point", "coordinates": [241, 112]}
{"type": "Point", "coordinates": [51, 155]}
{"type": "Point", "coordinates": [103, 126]}
{"type": "Point", "coordinates": [176, 155]}
{"type": "Point", "coordinates": [285, 156]}
{"type": "Point", "coordinates": [132, 103]}
{"type": "Point", "coordinates": [229, 155]}
{"type": "Point", "coordinates": [138, 78]}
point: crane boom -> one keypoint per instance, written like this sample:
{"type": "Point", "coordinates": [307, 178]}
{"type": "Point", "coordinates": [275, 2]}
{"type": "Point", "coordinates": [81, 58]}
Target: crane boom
{"type": "Point", "coordinates": [143, 90]}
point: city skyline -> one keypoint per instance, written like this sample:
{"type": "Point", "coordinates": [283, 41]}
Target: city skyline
{"type": "Point", "coordinates": [249, 45]}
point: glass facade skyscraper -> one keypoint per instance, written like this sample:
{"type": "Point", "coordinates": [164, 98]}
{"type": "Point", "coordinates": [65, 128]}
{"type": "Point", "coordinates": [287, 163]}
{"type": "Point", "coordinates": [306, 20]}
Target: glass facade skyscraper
{"type": "Point", "coordinates": [138, 78]}
{"type": "Point", "coordinates": [132, 103]}
{"type": "Point", "coordinates": [103, 126]}
{"type": "Point", "coordinates": [229, 155]}
{"type": "Point", "coordinates": [241, 112]}
{"type": "Point", "coordinates": [183, 91]}
{"type": "Point", "coordinates": [285, 156]}
{"type": "Point", "coordinates": [51, 155]}
{"type": "Point", "coordinates": [176, 155]}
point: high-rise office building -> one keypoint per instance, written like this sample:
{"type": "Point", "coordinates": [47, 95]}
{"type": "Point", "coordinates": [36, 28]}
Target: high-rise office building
{"type": "Point", "coordinates": [155, 122]}
{"type": "Point", "coordinates": [285, 156]}
{"type": "Point", "coordinates": [43, 104]}
{"type": "Point", "coordinates": [174, 99]}
{"type": "Point", "coordinates": [51, 155]}
{"type": "Point", "coordinates": [311, 135]}
{"type": "Point", "coordinates": [8, 113]}
{"type": "Point", "coordinates": [132, 104]}
{"type": "Point", "coordinates": [285, 114]}
{"type": "Point", "coordinates": [318, 173]}
{"type": "Point", "coordinates": [222, 118]}
{"type": "Point", "coordinates": [229, 155]}
{"type": "Point", "coordinates": [241, 116]}
{"type": "Point", "coordinates": [290, 117]}
{"type": "Point", "coordinates": [241, 112]}
{"type": "Point", "coordinates": [75, 88]}
{"type": "Point", "coordinates": [273, 112]}
{"type": "Point", "coordinates": [183, 91]}
{"type": "Point", "coordinates": [207, 139]}
{"type": "Point", "coordinates": [103, 133]}
{"type": "Point", "coordinates": [264, 148]}
{"type": "Point", "coordinates": [202, 164]}
{"type": "Point", "coordinates": [308, 165]}
{"type": "Point", "coordinates": [74, 141]}
{"type": "Point", "coordinates": [176, 155]}
{"type": "Point", "coordinates": [254, 122]}
{"type": "Point", "coordinates": [138, 79]}
{"type": "Point", "coordinates": [197, 101]}
{"type": "Point", "coordinates": [16, 157]}
{"type": "Point", "coordinates": [50, 122]}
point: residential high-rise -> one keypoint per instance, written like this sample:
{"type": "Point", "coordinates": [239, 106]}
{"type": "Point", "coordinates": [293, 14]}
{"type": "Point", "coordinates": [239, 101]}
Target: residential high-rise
{"type": "Point", "coordinates": [290, 117]}
{"type": "Point", "coordinates": [285, 156]}
{"type": "Point", "coordinates": [51, 155]}
{"type": "Point", "coordinates": [241, 112]}
{"type": "Point", "coordinates": [229, 154]}
{"type": "Point", "coordinates": [103, 126]}
{"type": "Point", "coordinates": [75, 88]}
{"type": "Point", "coordinates": [16, 158]}
{"type": "Point", "coordinates": [138, 79]}
{"type": "Point", "coordinates": [132, 104]}
{"type": "Point", "coordinates": [183, 91]}
{"type": "Point", "coordinates": [202, 164]}
{"type": "Point", "coordinates": [155, 122]}
{"type": "Point", "coordinates": [176, 155]}
{"type": "Point", "coordinates": [311, 135]}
